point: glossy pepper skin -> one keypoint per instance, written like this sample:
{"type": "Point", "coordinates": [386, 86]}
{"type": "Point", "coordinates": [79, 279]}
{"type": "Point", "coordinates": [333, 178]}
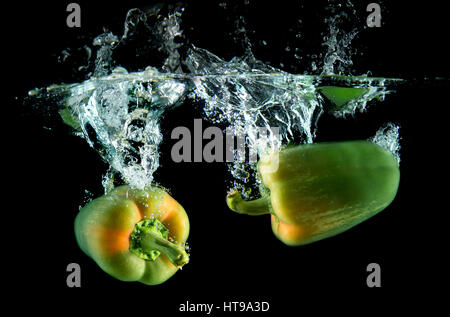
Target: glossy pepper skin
{"type": "Point", "coordinates": [134, 235]}
{"type": "Point", "coordinates": [319, 190]}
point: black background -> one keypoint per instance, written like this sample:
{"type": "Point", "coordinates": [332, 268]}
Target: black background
{"type": "Point", "coordinates": [233, 257]}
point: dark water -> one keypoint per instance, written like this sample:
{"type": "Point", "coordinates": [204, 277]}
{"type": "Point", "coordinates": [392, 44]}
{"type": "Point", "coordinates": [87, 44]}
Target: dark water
{"type": "Point", "coordinates": [233, 257]}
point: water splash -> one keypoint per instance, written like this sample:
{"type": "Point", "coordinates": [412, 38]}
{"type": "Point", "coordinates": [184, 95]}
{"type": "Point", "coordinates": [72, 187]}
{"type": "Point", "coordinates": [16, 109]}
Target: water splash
{"type": "Point", "coordinates": [103, 61]}
{"type": "Point", "coordinates": [118, 115]}
{"type": "Point", "coordinates": [118, 112]}
{"type": "Point", "coordinates": [338, 57]}
{"type": "Point", "coordinates": [388, 137]}
{"type": "Point", "coordinates": [248, 96]}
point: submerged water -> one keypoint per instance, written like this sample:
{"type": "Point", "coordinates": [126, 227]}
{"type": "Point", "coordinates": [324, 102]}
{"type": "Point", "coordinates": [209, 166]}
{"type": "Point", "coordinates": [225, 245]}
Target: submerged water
{"type": "Point", "coordinates": [118, 112]}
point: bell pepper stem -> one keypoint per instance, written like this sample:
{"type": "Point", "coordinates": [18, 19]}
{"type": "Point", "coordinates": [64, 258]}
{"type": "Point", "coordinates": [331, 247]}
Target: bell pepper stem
{"type": "Point", "coordinates": [151, 240]}
{"type": "Point", "coordinates": [260, 206]}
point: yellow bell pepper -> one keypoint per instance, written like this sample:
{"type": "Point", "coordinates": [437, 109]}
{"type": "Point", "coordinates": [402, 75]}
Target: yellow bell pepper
{"type": "Point", "coordinates": [134, 235]}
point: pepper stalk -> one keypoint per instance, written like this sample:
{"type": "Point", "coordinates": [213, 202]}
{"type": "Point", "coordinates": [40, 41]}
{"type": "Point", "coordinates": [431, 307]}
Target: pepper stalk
{"type": "Point", "coordinates": [150, 238]}
{"type": "Point", "coordinates": [260, 206]}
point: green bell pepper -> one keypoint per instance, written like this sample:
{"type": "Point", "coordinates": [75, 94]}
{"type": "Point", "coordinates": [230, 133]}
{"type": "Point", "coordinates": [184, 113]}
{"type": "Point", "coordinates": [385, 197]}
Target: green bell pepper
{"type": "Point", "coordinates": [318, 190]}
{"type": "Point", "coordinates": [342, 95]}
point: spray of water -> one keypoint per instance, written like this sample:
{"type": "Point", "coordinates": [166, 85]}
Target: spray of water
{"type": "Point", "coordinates": [388, 137]}
{"type": "Point", "coordinates": [118, 113]}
